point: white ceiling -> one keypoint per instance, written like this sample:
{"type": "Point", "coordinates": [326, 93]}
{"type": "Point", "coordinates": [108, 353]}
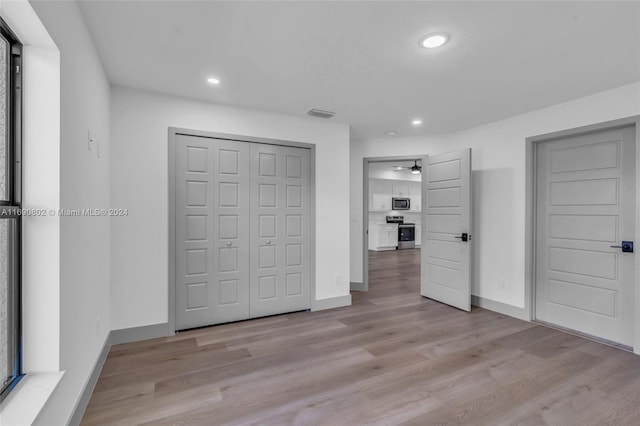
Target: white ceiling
{"type": "Point", "coordinates": [392, 165]}
{"type": "Point", "coordinates": [389, 170]}
{"type": "Point", "coordinates": [362, 60]}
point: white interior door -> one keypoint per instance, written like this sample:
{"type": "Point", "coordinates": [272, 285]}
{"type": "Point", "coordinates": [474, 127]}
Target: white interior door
{"type": "Point", "coordinates": [280, 252]}
{"type": "Point", "coordinates": [446, 228]}
{"type": "Point", "coordinates": [586, 199]}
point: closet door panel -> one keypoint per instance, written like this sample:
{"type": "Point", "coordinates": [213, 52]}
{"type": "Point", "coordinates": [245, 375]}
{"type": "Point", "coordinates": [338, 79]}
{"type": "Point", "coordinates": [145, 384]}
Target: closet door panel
{"type": "Point", "coordinates": [231, 220]}
{"type": "Point", "coordinates": [212, 231]}
{"type": "Point", "coordinates": [279, 213]}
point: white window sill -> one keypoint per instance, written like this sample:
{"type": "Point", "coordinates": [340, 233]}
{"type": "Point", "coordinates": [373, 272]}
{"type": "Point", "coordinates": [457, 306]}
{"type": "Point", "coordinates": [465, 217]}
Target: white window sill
{"type": "Point", "coordinates": [26, 401]}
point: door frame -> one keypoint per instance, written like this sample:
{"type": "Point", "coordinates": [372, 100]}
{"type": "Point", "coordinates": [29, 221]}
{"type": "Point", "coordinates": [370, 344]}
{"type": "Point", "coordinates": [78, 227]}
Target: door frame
{"type": "Point", "coordinates": [530, 210]}
{"type": "Point", "coordinates": [173, 133]}
{"type": "Point", "coordinates": [365, 211]}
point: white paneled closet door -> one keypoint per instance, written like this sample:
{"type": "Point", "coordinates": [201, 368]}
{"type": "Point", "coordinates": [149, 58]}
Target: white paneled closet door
{"type": "Point", "coordinates": [212, 231]}
{"type": "Point", "coordinates": [241, 231]}
{"type": "Point", "coordinates": [280, 252]}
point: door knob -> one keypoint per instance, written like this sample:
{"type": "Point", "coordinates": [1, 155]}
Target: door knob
{"type": "Point", "coordinates": [464, 236]}
{"type": "Point", "coordinates": [268, 241]}
{"type": "Point", "coordinates": [627, 246]}
{"type": "Point", "coordinates": [229, 243]}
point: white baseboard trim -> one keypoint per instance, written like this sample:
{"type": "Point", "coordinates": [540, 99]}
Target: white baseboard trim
{"type": "Point", "coordinates": [135, 334]}
{"type": "Point", "coordinates": [332, 302]}
{"type": "Point", "coordinates": [356, 287]}
{"type": "Point", "coordinates": [499, 307]}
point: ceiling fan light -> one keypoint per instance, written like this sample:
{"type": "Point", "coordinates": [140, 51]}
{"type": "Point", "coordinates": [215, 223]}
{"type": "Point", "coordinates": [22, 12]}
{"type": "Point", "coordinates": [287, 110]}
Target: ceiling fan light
{"type": "Point", "coordinates": [415, 171]}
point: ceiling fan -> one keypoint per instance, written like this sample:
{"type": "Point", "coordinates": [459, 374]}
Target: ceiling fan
{"type": "Point", "coordinates": [415, 169]}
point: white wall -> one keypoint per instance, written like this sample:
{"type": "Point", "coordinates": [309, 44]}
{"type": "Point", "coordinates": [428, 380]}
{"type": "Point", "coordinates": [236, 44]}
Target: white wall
{"type": "Point", "coordinates": [498, 163]}
{"type": "Point", "coordinates": [85, 264]}
{"type": "Point", "coordinates": [140, 123]}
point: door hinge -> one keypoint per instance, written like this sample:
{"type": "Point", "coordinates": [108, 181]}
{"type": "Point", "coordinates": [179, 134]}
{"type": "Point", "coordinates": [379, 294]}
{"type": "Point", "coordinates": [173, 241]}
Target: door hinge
{"type": "Point", "coordinates": [17, 69]}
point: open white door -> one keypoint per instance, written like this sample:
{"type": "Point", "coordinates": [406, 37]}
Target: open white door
{"type": "Point", "coordinates": [446, 228]}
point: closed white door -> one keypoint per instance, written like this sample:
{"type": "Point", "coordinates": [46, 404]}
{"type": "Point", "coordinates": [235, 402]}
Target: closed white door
{"type": "Point", "coordinates": [212, 231]}
{"type": "Point", "coordinates": [242, 230]}
{"type": "Point", "coordinates": [446, 229]}
{"type": "Point", "coordinates": [585, 202]}
{"type": "Point", "coordinates": [280, 252]}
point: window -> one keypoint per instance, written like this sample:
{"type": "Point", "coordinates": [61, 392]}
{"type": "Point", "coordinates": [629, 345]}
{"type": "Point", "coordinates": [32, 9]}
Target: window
{"type": "Point", "coordinates": [10, 213]}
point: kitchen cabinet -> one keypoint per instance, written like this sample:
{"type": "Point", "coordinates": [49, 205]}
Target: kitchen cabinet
{"type": "Point", "coordinates": [415, 193]}
{"type": "Point", "coordinates": [418, 235]}
{"type": "Point", "coordinates": [380, 194]}
{"type": "Point", "coordinates": [401, 189]}
{"type": "Point", "coordinates": [388, 235]}
{"type": "Point", "coordinates": [381, 191]}
{"type": "Point", "coordinates": [383, 236]}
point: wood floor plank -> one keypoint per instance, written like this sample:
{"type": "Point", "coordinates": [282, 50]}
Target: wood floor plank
{"type": "Point", "coordinates": [149, 410]}
{"type": "Point", "coordinates": [584, 396]}
{"type": "Point", "coordinates": [269, 368]}
{"type": "Point", "coordinates": [393, 357]}
{"type": "Point", "coordinates": [171, 368]}
{"type": "Point", "coordinates": [507, 395]}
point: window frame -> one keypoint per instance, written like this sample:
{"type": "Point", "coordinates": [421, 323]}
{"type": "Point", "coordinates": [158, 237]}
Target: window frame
{"type": "Point", "coordinates": [11, 208]}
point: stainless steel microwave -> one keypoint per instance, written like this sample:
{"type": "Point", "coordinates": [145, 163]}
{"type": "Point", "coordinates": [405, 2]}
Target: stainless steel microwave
{"type": "Point", "coordinates": [400, 203]}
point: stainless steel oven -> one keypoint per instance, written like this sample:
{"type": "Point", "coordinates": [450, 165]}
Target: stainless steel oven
{"type": "Point", "coordinates": [406, 236]}
{"type": "Point", "coordinates": [406, 232]}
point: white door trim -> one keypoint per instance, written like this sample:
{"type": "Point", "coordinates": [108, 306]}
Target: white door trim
{"type": "Point", "coordinates": [530, 208]}
{"type": "Point", "coordinates": [173, 131]}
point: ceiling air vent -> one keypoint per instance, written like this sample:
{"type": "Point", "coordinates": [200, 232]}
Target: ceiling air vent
{"type": "Point", "coordinates": [320, 113]}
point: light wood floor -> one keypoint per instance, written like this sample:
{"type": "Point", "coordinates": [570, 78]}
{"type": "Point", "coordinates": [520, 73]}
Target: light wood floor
{"type": "Point", "coordinates": [391, 358]}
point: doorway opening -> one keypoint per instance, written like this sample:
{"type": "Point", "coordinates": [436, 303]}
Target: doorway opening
{"type": "Point", "coordinates": [445, 223]}
{"type": "Point", "coordinates": [392, 221]}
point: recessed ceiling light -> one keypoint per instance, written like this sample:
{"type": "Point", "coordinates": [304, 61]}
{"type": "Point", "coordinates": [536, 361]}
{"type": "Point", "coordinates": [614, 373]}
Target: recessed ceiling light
{"type": "Point", "coordinates": [431, 41]}
{"type": "Point", "coordinates": [416, 122]}
{"type": "Point", "coordinates": [213, 80]}
{"type": "Point", "coordinates": [392, 133]}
